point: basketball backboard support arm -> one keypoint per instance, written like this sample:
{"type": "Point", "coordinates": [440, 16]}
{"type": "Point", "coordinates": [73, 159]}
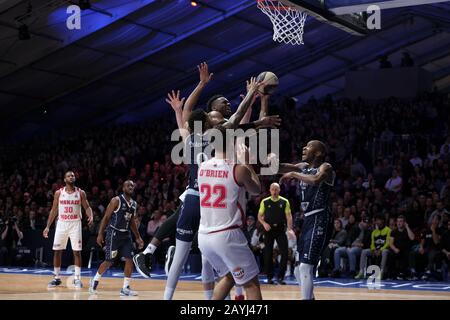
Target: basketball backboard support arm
{"type": "Point", "coordinates": [349, 23]}
{"type": "Point", "coordinates": [383, 5]}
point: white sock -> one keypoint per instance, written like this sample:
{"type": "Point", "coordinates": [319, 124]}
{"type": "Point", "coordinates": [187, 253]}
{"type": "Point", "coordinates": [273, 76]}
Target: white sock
{"type": "Point", "coordinates": [179, 259]}
{"type": "Point", "coordinates": [208, 294]}
{"type": "Point", "coordinates": [56, 272]}
{"type": "Point", "coordinates": [306, 276]}
{"type": "Point", "coordinates": [150, 249]}
{"type": "Point", "coordinates": [126, 282]}
{"type": "Point", "coordinates": [77, 272]}
{"type": "Point", "coordinates": [238, 290]}
{"type": "Point", "coordinates": [97, 276]}
{"type": "Point", "coordinates": [168, 293]}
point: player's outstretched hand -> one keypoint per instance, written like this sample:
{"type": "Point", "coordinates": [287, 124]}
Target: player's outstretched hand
{"type": "Point", "coordinates": [205, 76]}
{"type": "Point", "coordinates": [45, 232]}
{"type": "Point", "coordinates": [270, 122]}
{"type": "Point", "coordinates": [100, 240]}
{"type": "Point", "coordinates": [253, 85]}
{"type": "Point", "coordinates": [140, 243]}
{"type": "Point", "coordinates": [174, 101]}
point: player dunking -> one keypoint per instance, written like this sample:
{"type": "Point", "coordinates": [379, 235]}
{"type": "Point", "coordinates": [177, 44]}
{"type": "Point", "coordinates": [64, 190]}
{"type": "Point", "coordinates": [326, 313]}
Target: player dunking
{"type": "Point", "coordinates": [119, 218]}
{"type": "Point", "coordinates": [67, 205]}
{"type": "Point", "coordinates": [221, 240]}
{"type": "Point", "coordinates": [188, 221]}
{"type": "Point", "coordinates": [316, 182]}
{"type": "Point", "coordinates": [219, 111]}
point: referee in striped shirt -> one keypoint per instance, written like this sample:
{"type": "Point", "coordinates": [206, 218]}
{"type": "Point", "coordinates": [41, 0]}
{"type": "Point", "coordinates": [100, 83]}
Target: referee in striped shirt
{"type": "Point", "coordinates": [275, 216]}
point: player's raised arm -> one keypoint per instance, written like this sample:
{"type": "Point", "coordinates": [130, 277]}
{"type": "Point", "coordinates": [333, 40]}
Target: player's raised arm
{"type": "Point", "coordinates": [324, 173]}
{"type": "Point", "coordinates": [53, 214]}
{"type": "Point", "coordinates": [87, 208]}
{"type": "Point", "coordinates": [264, 112]}
{"type": "Point", "coordinates": [236, 118]}
{"type": "Point", "coordinates": [113, 205]}
{"type": "Point", "coordinates": [173, 98]}
{"type": "Point", "coordinates": [192, 100]}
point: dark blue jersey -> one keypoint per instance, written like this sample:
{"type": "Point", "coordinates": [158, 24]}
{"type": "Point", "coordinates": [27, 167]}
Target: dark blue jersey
{"type": "Point", "coordinates": [195, 146]}
{"type": "Point", "coordinates": [121, 217]}
{"type": "Point", "coordinates": [315, 199]}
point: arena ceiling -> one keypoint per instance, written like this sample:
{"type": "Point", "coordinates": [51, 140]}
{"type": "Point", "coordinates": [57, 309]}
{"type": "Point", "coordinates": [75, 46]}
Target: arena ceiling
{"type": "Point", "coordinates": [129, 53]}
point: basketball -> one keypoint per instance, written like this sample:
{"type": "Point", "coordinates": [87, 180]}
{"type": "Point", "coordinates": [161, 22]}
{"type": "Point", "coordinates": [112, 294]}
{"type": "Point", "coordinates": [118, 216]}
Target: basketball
{"type": "Point", "coordinates": [270, 80]}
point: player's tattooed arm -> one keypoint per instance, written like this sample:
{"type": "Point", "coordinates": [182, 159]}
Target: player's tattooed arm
{"type": "Point", "coordinates": [236, 118]}
{"type": "Point", "coordinates": [264, 112]}
{"type": "Point", "coordinates": [248, 114]}
{"type": "Point", "coordinates": [113, 205]}
{"type": "Point", "coordinates": [53, 214]}
{"type": "Point", "coordinates": [324, 173]}
{"type": "Point", "coordinates": [192, 100]}
{"type": "Point", "coordinates": [134, 229]}
{"type": "Point", "coordinates": [87, 208]}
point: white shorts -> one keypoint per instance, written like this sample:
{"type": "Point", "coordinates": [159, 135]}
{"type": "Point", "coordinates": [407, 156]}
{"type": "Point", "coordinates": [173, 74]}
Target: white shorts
{"type": "Point", "coordinates": [228, 251]}
{"type": "Point", "coordinates": [64, 231]}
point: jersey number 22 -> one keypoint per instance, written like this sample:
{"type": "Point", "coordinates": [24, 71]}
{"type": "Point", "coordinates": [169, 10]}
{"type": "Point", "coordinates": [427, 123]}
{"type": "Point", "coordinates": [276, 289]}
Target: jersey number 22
{"type": "Point", "coordinates": [218, 190]}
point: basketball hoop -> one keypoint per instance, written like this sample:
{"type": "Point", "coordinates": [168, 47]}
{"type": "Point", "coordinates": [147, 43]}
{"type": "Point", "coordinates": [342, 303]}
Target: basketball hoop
{"type": "Point", "coordinates": [288, 22]}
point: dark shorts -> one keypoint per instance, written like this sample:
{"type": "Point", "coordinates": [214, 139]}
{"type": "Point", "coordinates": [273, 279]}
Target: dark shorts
{"type": "Point", "coordinates": [118, 244]}
{"type": "Point", "coordinates": [316, 232]}
{"type": "Point", "coordinates": [189, 220]}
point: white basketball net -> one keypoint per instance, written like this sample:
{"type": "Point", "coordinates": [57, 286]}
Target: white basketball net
{"type": "Point", "coordinates": [288, 23]}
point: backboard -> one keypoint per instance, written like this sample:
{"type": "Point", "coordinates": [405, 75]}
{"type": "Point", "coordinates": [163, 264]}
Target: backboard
{"type": "Point", "coordinates": [350, 15]}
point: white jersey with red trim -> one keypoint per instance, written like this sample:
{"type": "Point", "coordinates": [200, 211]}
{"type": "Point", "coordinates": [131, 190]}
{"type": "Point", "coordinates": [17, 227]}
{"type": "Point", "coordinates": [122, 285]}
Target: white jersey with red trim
{"type": "Point", "coordinates": [220, 197]}
{"type": "Point", "coordinates": [69, 205]}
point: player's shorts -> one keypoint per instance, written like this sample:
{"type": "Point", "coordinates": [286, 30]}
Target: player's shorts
{"type": "Point", "coordinates": [316, 233]}
{"type": "Point", "coordinates": [189, 219]}
{"type": "Point", "coordinates": [64, 231]}
{"type": "Point", "coordinates": [228, 251]}
{"type": "Point", "coordinates": [118, 244]}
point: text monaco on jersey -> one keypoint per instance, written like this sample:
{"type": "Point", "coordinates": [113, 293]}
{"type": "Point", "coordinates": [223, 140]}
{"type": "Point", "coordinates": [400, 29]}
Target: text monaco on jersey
{"type": "Point", "coordinates": [68, 202]}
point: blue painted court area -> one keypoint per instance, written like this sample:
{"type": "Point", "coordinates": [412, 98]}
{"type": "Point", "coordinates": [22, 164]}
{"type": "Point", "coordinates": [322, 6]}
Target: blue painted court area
{"type": "Point", "coordinates": [321, 282]}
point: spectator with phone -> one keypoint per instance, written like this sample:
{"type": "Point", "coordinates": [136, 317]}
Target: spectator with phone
{"type": "Point", "coordinates": [399, 246]}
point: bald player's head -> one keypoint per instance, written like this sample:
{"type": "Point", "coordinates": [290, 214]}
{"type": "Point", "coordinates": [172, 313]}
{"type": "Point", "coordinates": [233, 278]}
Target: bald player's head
{"type": "Point", "coordinates": [128, 187]}
{"type": "Point", "coordinates": [274, 190]}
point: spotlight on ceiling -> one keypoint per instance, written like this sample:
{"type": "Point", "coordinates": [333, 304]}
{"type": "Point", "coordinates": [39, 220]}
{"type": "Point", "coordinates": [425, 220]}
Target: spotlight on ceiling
{"type": "Point", "coordinates": [194, 3]}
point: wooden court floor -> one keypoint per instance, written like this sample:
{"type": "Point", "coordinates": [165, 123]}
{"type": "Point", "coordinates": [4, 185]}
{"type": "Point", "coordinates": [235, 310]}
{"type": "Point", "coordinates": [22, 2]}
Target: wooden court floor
{"type": "Point", "coordinates": [34, 287]}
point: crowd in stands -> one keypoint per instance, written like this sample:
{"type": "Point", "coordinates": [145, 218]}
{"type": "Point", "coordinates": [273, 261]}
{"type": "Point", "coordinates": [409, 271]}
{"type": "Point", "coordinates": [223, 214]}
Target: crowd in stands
{"type": "Point", "coordinates": [392, 193]}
